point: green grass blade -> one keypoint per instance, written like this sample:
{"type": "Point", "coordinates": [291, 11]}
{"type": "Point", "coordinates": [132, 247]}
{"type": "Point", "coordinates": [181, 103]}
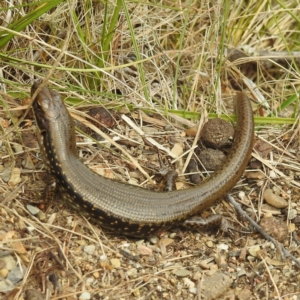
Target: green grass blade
{"type": "Point", "coordinates": [21, 23]}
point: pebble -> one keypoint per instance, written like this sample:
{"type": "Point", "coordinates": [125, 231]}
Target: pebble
{"type": "Point", "coordinates": [85, 296]}
{"type": "Point", "coordinates": [140, 242]}
{"type": "Point", "coordinates": [15, 177]}
{"type": "Point", "coordinates": [223, 246]}
{"type": "Point", "coordinates": [116, 263]}
{"type": "Point", "coordinates": [5, 174]}
{"type": "Point", "coordinates": [144, 250]}
{"type": "Point", "coordinates": [90, 280]}
{"type": "Point", "coordinates": [177, 149]}
{"type": "Point", "coordinates": [27, 163]}
{"type": "Point", "coordinates": [251, 258]}
{"type": "Point", "coordinates": [193, 290]}
{"type": "Point", "coordinates": [241, 272]}
{"type": "Point", "coordinates": [9, 261]}
{"type": "Point", "coordinates": [274, 200]}
{"type": "Point", "coordinates": [17, 148]}
{"type": "Point", "coordinates": [33, 294]}
{"type": "Point", "coordinates": [241, 195]}
{"type": "Point", "coordinates": [255, 175]}
{"type": "Point", "coordinates": [16, 274]}
{"type": "Point", "coordinates": [6, 286]}
{"type": "Point", "coordinates": [292, 214]}
{"type": "Point", "coordinates": [253, 250]}
{"type": "Point", "coordinates": [153, 239]}
{"type": "Point", "coordinates": [131, 272]}
{"type": "Point", "coordinates": [182, 272]}
{"type": "Point", "coordinates": [277, 228]}
{"type": "Point", "coordinates": [189, 283]}
{"type": "Point", "coordinates": [3, 273]}
{"type": "Point", "coordinates": [42, 216]}
{"type": "Point", "coordinates": [209, 244]}
{"type": "Point", "coordinates": [215, 285]}
{"type": "Point", "coordinates": [89, 249]}
{"type": "Point", "coordinates": [32, 209]}
{"type": "Point", "coordinates": [172, 235]}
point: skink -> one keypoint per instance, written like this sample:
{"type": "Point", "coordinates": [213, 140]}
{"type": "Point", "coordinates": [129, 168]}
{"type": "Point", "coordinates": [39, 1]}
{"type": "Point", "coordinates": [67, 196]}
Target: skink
{"type": "Point", "coordinates": [120, 207]}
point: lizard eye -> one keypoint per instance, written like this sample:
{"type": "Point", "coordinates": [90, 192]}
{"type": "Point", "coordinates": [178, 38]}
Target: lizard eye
{"type": "Point", "coordinates": [36, 105]}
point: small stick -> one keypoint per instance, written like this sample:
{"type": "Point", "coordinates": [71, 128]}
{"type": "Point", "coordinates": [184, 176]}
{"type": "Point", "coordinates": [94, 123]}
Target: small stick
{"type": "Point", "coordinates": [261, 231]}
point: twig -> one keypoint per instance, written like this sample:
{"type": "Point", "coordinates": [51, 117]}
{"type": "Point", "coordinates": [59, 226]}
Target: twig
{"type": "Point", "coordinates": [261, 231]}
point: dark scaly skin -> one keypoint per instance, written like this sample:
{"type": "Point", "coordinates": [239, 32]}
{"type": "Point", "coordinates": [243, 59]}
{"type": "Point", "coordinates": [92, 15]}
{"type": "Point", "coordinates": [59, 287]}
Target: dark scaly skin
{"type": "Point", "coordinates": [120, 207]}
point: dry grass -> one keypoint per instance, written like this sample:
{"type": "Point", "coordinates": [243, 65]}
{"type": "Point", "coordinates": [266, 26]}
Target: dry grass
{"type": "Point", "coordinates": [171, 60]}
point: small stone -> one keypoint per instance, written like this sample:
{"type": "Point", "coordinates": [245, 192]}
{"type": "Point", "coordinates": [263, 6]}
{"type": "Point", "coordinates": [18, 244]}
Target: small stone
{"type": "Point", "coordinates": [41, 216]}
{"type": "Point", "coordinates": [241, 272]}
{"type": "Point", "coordinates": [244, 294]}
{"type": "Point", "coordinates": [165, 242]}
{"type": "Point", "coordinates": [140, 242]}
{"type": "Point", "coordinates": [132, 272]}
{"type": "Point", "coordinates": [210, 244]}
{"type": "Point", "coordinates": [189, 283]}
{"type": "Point", "coordinates": [192, 131]}
{"type": "Point", "coordinates": [18, 247]}
{"type": "Point", "coordinates": [27, 163]}
{"type": "Point", "coordinates": [10, 262]}
{"type": "Point", "coordinates": [15, 177]}
{"type": "Point", "coordinates": [197, 276]}
{"type": "Point", "coordinates": [274, 200]}
{"type": "Point", "coordinates": [182, 273]}
{"type": "Point", "coordinates": [251, 258]}
{"type": "Point", "coordinates": [153, 240]}
{"type": "Point", "coordinates": [223, 246]}
{"type": "Point", "coordinates": [193, 290]}
{"type": "Point", "coordinates": [241, 195]}
{"type": "Point", "coordinates": [90, 280]}
{"type": "Point", "coordinates": [3, 273]}
{"type": "Point", "coordinates": [204, 265]}
{"type": "Point", "coordinates": [33, 294]}
{"type": "Point", "coordinates": [5, 174]}
{"type": "Point", "coordinates": [32, 209]}
{"type": "Point", "coordinates": [275, 227]}
{"type": "Point", "coordinates": [85, 296]}
{"type": "Point", "coordinates": [144, 250]}
{"type": "Point", "coordinates": [292, 214]}
{"type": "Point", "coordinates": [89, 249]}
{"type": "Point", "coordinates": [172, 235]}
{"type": "Point", "coordinates": [2, 264]}
{"type": "Point", "coordinates": [255, 175]}
{"type": "Point", "coordinates": [215, 285]}
{"type": "Point", "coordinates": [116, 263]}
{"type": "Point", "coordinates": [16, 274]}
{"type": "Point", "coordinates": [253, 250]}
{"type": "Point", "coordinates": [6, 286]}
{"type": "Point", "coordinates": [17, 148]}
{"type": "Point", "coordinates": [177, 149]}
